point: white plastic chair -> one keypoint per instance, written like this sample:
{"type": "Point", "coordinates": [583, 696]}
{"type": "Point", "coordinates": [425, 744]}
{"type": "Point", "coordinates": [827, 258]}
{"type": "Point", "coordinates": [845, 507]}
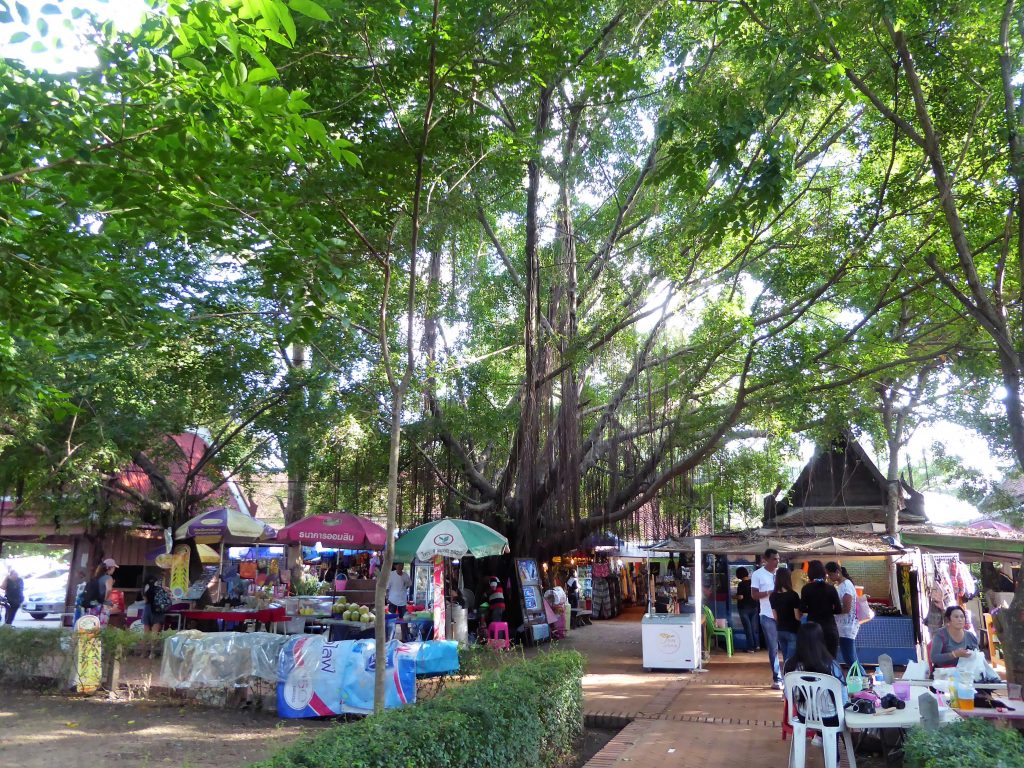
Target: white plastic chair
{"type": "Point", "coordinates": [817, 692]}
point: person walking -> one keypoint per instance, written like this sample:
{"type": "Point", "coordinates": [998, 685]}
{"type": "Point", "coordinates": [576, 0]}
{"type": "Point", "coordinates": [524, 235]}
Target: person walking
{"type": "Point", "coordinates": [786, 607]}
{"type": "Point", "coordinates": [847, 620]}
{"type": "Point", "coordinates": [820, 602]}
{"type": "Point", "coordinates": [14, 591]}
{"type": "Point", "coordinates": [748, 609]}
{"type": "Point", "coordinates": [762, 584]}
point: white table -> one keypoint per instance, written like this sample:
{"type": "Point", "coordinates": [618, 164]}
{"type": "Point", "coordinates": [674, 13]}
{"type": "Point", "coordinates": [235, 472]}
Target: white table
{"type": "Point", "coordinates": [898, 718]}
{"type": "Point", "coordinates": [894, 723]}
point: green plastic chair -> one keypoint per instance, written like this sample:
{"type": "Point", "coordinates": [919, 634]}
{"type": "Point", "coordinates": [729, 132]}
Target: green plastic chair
{"type": "Point", "coordinates": [713, 631]}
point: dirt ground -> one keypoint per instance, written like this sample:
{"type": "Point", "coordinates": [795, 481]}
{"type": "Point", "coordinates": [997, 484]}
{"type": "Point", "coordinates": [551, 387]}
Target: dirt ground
{"type": "Point", "coordinates": [47, 731]}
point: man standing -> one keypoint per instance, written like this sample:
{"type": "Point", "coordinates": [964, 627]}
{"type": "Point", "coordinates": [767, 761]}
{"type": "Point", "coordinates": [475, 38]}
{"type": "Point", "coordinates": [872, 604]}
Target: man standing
{"type": "Point", "coordinates": [398, 590]}
{"type": "Point", "coordinates": [762, 584]}
{"type": "Point", "coordinates": [14, 590]}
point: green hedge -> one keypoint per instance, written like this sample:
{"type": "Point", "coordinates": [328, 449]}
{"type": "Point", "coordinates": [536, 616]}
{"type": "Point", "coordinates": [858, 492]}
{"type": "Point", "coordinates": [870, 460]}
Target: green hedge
{"type": "Point", "coordinates": [967, 743]}
{"type": "Point", "coordinates": [527, 714]}
{"type": "Point", "coordinates": [42, 658]}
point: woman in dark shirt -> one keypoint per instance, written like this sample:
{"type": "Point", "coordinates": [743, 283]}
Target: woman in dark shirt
{"type": "Point", "coordinates": [820, 602]}
{"type": "Point", "coordinates": [786, 607]}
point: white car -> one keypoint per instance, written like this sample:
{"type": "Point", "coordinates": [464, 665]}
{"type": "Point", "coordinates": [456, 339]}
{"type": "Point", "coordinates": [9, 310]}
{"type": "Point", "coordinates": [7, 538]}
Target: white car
{"type": "Point", "coordinates": [46, 593]}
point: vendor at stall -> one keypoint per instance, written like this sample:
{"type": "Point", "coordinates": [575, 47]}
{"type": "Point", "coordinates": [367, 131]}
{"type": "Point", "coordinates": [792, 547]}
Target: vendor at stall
{"type": "Point", "coordinates": [953, 642]}
{"type": "Point", "coordinates": [398, 590]}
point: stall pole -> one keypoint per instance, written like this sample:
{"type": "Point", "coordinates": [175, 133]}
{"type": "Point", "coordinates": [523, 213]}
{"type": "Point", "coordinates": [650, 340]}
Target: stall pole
{"type": "Point", "coordinates": [698, 600]}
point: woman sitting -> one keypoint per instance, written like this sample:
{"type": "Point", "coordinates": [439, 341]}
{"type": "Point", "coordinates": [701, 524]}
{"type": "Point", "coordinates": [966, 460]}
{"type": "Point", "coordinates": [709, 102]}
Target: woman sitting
{"type": "Point", "coordinates": [812, 655]}
{"type": "Point", "coordinates": [953, 641]}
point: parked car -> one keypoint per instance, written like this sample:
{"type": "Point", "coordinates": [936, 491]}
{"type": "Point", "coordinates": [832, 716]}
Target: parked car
{"type": "Point", "coordinates": [46, 593]}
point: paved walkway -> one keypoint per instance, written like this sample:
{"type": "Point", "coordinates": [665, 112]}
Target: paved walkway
{"type": "Point", "coordinates": [726, 717]}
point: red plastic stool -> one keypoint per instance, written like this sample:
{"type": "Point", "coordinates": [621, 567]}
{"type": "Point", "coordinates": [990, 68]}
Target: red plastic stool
{"type": "Point", "coordinates": [497, 635]}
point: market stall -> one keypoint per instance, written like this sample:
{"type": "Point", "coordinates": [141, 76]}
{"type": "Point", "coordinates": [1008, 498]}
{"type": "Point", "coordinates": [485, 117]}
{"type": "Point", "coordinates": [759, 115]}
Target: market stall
{"type": "Point", "coordinates": [452, 539]}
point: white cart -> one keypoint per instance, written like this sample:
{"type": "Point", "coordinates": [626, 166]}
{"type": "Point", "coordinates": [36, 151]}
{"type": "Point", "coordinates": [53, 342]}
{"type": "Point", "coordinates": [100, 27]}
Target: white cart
{"type": "Point", "coordinates": [673, 640]}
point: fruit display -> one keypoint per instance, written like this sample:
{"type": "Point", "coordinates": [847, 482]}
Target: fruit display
{"type": "Point", "coordinates": [359, 613]}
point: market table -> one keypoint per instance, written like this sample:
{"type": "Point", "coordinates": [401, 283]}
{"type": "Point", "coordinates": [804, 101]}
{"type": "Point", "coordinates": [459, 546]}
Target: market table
{"type": "Point", "coordinates": [262, 616]}
{"type": "Point", "coordinates": [340, 629]}
{"type": "Point", "coordinates": [1014, 710]}
{"type": "Point", "coordinates": [897, 720]}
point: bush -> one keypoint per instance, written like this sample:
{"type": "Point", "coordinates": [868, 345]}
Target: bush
{"type": "Point", "coordinates": [970, 742]}
{"type": "Point", "coordinates": [527, 714]}
{"type": "Point", "coordinates": [43, 658]}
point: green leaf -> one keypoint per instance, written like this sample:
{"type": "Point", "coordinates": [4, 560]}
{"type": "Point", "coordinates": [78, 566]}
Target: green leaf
{"type": "Point", "coordinates": [38, 47]}
{"type": "Point", "coordinates": [50, 9]}
{"type": "Point", "coordinates": [260, 74]}
{"type": "Point", "coordinates": [19, 37]}
{"type": "Point", "coordinates": [23, 13]}
{"type": "Point", "coordinates": [350, 158]}
{"type": "Point", "coordinates": [310, 9]}
{"type": "Point", "coordinates": [192, 64]}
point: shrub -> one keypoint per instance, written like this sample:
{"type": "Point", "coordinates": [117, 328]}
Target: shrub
{"type": "Point", "coordinates": [970, 742]}
{"type": "Point", "coordinates": [43, 658]}
{"type": "Point", "coordinates": [527, 714]}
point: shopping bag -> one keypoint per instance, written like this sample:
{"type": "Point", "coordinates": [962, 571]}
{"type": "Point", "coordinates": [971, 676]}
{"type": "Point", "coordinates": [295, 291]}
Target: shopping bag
{"type": "Point", "coordinates": [855, 678]}
{"type": "Point", "coordinates": [863, 610]}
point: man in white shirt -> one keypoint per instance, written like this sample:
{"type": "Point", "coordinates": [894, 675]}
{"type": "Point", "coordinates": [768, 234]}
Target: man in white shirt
{"type": "Point", "coordinates": [398, 590]}
{"type": "Point", "coordinates": [762, 584]}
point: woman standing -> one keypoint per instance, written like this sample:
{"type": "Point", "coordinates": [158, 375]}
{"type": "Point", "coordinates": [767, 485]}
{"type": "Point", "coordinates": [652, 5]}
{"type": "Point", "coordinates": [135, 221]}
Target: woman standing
{"type": "Point", "coordinates": [847, 620]}
{"type": "Point", "coordinates": [953, 641]}
{"type": "Point", "coordinates": [748, 609]}
{"type": "Point", "coordinates": [820, 602]}
{"type": "Point", "coordinates": [786, 607]}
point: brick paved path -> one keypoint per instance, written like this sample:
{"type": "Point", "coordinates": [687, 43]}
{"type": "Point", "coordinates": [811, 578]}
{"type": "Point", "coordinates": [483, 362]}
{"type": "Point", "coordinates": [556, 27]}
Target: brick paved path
{"type": "Point", "coordinates": [726, 717]}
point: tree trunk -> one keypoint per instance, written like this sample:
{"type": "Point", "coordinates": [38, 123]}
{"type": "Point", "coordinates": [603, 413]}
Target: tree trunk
{"type": "Point", "coordinates": [1010, 628]}
{"type": "Point", "coordinates": [892, 512]}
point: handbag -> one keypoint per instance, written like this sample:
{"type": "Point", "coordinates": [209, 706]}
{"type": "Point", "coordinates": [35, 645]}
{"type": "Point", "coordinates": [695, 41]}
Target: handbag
{"type": "Point", "coordinates": [855, 678]}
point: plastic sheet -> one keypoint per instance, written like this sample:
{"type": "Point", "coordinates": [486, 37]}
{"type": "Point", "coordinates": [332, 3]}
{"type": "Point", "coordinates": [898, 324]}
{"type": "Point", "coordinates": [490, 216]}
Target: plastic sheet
{"type": "Point", "coordinates": [195, 659]}
{"type": "Point", "coordinates": [435, 657]}
{"type": "Point", "coordinates": [320, 678]}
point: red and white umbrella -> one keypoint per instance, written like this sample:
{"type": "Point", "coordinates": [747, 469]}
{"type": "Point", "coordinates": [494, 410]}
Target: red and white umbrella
{"type": "Point", "coordinates": [337, 530]}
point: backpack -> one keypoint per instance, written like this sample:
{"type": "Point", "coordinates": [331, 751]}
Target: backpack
{"type": "Point", "coordinates": [91, 593]}
{"type": "Point", "coordinates": [161, 599]}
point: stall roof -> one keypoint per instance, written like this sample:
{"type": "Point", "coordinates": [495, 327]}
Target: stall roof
{"type": "Point", "coordinates": [970, 547]}
{"type": "Point", "coordinates": [750, 543]}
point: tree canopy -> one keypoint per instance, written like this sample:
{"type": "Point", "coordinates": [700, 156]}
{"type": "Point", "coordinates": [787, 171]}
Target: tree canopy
{"type": "Point", "coordinates": [590, 258]}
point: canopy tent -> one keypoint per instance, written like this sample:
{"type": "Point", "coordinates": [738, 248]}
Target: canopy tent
{"type": "Point", "coordinates": [228, 526]}
{"type": "Point", "coordinates": [450, 538]}
{"type": "Point", "coordinates": [337, 530]}
{"type": "Point", "coordinates": [971, 548]}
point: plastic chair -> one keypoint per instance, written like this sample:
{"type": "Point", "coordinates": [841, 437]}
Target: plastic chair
{"type": "Point", "coordinates": [818, 693]}
{"type": "Point", "coordinates": [497, 635]}
{"type": "Point", "coordinates": [713, 631]}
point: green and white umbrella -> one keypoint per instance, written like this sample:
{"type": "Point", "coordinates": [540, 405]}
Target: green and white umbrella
{"type": "Point", "coordinates": [450, 538]}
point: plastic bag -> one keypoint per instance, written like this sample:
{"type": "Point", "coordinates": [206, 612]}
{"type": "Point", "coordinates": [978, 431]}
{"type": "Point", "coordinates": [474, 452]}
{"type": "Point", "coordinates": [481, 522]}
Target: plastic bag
{"type": "Point", "coordinates": [863, 610]}
{"type": "Point", "coordinates": [855, 678]}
